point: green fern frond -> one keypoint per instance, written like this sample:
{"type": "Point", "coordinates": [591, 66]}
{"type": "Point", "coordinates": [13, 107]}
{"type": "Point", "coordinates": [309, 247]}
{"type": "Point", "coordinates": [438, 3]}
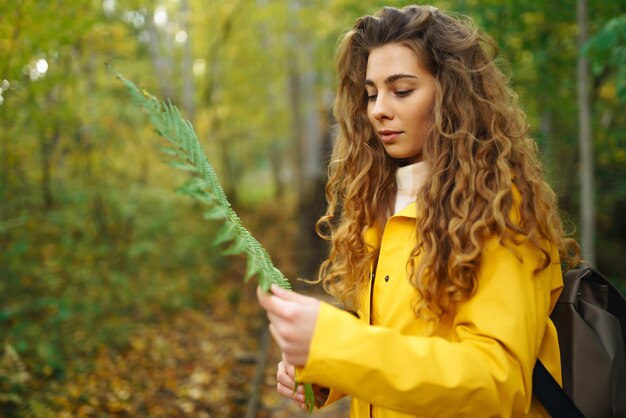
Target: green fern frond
{"type": "Point", "coordinates": [188, 155]}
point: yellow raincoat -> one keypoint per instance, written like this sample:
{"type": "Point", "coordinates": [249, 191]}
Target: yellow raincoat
{"type": "Point", "coordinates": [480, 365]}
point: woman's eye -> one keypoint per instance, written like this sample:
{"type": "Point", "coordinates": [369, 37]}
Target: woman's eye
{"type": "Point", "coordinates": [403, 93]}
{"type": "Point", "coordinates": [371, 97]}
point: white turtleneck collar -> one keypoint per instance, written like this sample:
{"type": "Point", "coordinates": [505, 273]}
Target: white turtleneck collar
{"type": "Point", "coordinates": [410, 179]}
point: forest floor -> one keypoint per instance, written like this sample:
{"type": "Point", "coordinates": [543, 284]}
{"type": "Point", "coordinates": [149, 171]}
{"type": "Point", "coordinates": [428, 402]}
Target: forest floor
{"type": "Point", "coordinates": [189, 364]}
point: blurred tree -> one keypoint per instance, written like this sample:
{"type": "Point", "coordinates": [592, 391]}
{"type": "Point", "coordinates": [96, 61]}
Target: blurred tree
{"type": "Point", "coordinates": [585, 139]}
{"type": "Point", "coordinates": [538, 40]}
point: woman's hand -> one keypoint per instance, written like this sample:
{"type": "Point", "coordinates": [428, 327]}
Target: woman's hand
{"type": "Point", "coordinates": [292, 322]}
{"type": "Point", "coordinates": [286, 378]}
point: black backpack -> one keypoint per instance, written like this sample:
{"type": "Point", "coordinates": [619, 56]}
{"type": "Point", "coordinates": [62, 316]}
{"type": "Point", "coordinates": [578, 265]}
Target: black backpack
{"type": "Point", "coordinates": [590, 318]}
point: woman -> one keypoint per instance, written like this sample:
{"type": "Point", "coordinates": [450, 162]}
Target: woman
{"type": "Point", "coordinates": [446, 241]}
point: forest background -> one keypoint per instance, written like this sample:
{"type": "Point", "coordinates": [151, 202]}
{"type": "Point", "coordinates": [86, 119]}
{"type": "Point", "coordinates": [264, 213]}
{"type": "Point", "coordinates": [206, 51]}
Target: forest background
{"type": "Point", "coordinates": [113, 302]}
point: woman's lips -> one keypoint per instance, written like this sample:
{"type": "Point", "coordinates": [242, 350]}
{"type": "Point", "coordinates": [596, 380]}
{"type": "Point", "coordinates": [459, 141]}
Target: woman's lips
{"type": "Point", "coordinates": [388, 136]}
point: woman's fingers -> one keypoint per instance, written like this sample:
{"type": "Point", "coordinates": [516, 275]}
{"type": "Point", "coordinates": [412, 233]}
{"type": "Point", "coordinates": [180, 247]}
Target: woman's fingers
{"type": "Point", "coordinates": [288, 393]}
{"type": "Point", "coordinates": [292, 321]}
{"type": "Point", "coordinates": [283, 303]}
{"type": "Point", "coordinates": [277, 335]}
{"type": "Point", "coordinates": [286, 383]}
{"type": "Point", "coordinates": [264, 298]}
{"type": "Point", "coordinates": [290, 295]}
{"type": "Point", "coordinates": [276, 306]}
{"type": "Point", "coordinates": [290, 369]}
{"type": "Point", "coordinates": [285, 378]}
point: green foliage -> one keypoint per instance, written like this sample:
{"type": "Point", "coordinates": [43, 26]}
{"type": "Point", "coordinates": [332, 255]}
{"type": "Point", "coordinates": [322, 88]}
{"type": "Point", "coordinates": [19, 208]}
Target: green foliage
{"type": "Point", "coordinates": [607, 48]}
{"type": "Point", "coordinates": [83, 276]}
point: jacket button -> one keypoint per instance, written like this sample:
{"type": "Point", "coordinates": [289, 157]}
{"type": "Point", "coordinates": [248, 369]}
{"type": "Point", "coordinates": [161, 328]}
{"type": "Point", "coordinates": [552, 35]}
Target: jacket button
{"type": "Point", "coordinates": [386, 278]}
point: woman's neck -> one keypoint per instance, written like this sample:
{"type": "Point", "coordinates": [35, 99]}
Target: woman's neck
{"type": "Point", "coordinates": [409, 180]}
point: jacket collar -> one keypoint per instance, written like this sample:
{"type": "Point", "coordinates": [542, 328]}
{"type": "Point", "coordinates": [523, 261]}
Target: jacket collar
{"type": "Point", "coordinates": [408, 212]}
{"type": "Point", "coordinates": [373, 234]}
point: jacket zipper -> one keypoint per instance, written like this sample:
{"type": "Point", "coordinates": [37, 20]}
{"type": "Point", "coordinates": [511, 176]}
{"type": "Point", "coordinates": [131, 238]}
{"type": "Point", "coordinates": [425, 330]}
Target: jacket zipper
{"type": "Point", "coordinates": [371, 319]}
{"type": "Point", "coordinates": [372, 296]}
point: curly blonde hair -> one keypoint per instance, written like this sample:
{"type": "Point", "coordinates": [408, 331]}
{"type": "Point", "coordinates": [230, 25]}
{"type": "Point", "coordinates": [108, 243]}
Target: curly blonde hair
{"type": "Point", "coordinates": [478, 151]}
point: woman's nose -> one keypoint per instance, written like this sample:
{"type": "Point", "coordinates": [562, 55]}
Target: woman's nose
{"type": "Point", "coordinates": [381, 108]}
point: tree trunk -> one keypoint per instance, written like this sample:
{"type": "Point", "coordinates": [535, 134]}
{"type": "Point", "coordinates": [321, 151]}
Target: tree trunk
{"type": "Point", "coordinates": [295, 101]}
{"type": "Point", "coordinates": [9, 124]}
{"type": "Point", "coordinates": [585, 139]}
{"type": "Point", "coordinates": [161, 61]}
{"type": "Point", "coordinates": [276, 164]}
{"type": "Point", "coordinates": [254, 401]}
{"type": "Point", "coordinates": [213, 58]}
{"type": "Point", "coordinates": [313, 137]}
{"type": "Point", "coordinates": [187, 65]}
{"type": "Point", "coordinates": [211, 98]}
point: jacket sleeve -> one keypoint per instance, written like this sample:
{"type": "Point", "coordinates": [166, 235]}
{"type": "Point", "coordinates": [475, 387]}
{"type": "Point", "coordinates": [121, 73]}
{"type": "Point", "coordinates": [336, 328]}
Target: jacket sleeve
{"type": "Point", "coordinates": [486, 365]}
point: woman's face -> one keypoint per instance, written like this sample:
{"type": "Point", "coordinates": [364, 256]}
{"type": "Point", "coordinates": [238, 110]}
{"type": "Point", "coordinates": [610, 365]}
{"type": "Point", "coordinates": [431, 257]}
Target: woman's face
{"type": "Point", "coordinates": [400, 95]}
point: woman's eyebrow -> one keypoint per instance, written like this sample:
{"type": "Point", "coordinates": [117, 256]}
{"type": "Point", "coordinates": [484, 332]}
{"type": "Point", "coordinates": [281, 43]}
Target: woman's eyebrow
{"type": "Point", "coordinates": [390, 79]}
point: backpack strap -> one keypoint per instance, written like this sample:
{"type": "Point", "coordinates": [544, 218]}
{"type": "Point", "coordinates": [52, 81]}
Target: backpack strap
{"type": "Point", "coordinates": [551, 396]}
